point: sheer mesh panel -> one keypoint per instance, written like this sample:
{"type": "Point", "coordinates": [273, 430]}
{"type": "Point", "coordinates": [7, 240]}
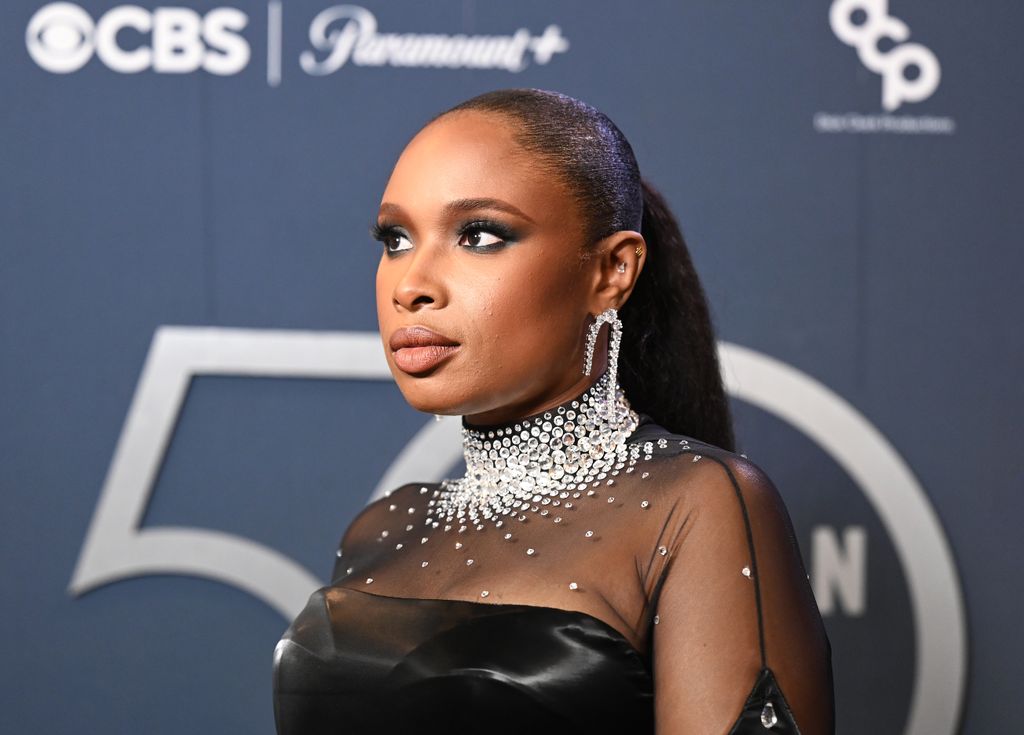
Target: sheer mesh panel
{"type": "Point", "coordinates": [691, 557]}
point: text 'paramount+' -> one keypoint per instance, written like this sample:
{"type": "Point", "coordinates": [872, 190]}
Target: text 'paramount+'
{"type": "Point", "coordinates": [63, 37]}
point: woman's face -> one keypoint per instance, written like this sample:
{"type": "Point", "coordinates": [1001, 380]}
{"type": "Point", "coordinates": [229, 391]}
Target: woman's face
{"type": "Point", "coordinates": [483, 295]}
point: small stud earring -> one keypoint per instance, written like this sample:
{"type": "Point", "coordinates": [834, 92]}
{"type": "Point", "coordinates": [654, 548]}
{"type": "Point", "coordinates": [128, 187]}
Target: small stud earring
{"type": "Point", "coordinates": [621, 267]}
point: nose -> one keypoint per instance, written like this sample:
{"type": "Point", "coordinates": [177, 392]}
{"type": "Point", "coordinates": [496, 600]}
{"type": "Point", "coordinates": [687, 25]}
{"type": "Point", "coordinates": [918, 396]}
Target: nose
{"type": "Point", "coordinates": [419, 283]}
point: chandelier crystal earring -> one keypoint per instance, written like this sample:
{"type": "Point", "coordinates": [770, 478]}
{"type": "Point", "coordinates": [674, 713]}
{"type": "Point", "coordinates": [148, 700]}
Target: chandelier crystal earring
{"type": "Point", "coordinates": [611, 317]}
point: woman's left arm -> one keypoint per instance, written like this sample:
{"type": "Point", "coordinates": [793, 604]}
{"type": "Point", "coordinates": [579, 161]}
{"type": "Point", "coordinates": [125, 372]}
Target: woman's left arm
{"type": "Point", "coordinates": [739, 646]}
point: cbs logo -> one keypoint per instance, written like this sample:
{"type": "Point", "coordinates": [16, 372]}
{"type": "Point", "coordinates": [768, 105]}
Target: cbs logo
{"type": "Point", "coordinates": [62, 37]}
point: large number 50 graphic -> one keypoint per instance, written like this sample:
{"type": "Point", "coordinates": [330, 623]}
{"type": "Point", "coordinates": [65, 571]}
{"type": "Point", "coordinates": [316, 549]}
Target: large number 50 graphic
{"type": "Point", "coordinates": [118, 547]}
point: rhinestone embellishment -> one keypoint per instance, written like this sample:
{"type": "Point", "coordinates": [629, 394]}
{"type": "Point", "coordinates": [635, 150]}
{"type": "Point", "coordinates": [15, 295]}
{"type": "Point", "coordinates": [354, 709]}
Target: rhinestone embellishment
{"type": "Point", "coordinates": [523, 466]}
{"type": "Point", "coordinates": [768, 717]}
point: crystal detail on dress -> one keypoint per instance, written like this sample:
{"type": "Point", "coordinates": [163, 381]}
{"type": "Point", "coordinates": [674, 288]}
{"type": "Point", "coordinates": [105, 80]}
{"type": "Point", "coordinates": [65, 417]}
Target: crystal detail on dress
{"type": "Point", "coordinates": [746, 572]}
{"type": "Point", "coordinates": [768, 717]}
{"type": "Point", "coordinates": [521, 467]}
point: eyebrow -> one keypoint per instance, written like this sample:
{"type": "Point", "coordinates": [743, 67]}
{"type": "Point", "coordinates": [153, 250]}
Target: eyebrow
{"type": "Point", "coordinates": [459, 206]}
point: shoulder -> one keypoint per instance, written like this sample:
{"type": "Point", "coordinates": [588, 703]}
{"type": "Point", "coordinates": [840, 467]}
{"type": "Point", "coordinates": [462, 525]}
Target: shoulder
{"type": "Point", "coordinates": [381, 514]}
{"type": "Point", "coordinates": [720, 506]}
{"type": "Point", "coordinates": [697, 476]}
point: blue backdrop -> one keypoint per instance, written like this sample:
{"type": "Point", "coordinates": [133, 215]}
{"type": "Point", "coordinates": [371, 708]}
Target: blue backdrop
{"type": "Point", "coordinates": [193, 401]}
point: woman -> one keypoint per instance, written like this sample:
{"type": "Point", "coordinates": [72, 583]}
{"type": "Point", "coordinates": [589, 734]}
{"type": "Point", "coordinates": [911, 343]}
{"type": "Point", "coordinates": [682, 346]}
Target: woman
{"type": "Point", "coordinates": [606, 564]}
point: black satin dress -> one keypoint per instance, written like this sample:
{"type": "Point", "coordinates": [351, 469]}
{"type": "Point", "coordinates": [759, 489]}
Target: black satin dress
{"type": "Point", "coordinates": [398, 665]}
{"type": "Point", "coordinates": [399, 644]}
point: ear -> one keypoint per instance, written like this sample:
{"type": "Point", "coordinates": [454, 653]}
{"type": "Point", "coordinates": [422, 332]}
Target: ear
{"type": "Point", "coordinates": [617, 263]}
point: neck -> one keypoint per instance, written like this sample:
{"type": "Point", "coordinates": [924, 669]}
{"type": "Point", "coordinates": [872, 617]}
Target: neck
{"type": "Point", "coordinates": [553, 453]}
{"type": "Point", "coordinates": [517, 412]}
{"type": "Point", "coordinates": [510, 413]}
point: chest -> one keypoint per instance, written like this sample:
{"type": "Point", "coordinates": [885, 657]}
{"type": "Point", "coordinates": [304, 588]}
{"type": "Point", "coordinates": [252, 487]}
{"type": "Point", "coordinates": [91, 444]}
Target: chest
{"type": "Point", "coordinates": [370, 662]}
{"type": "Point", "coordinates": [575, 565]}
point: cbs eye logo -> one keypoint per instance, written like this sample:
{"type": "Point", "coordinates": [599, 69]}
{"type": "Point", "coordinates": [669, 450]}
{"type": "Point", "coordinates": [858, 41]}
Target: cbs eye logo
{"type": "Point", "coordinates": [62, 37]}
{"type": "Point", "coordinates": [862, 24]}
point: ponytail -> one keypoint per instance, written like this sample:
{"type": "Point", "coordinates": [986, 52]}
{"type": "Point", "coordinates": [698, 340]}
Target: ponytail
{"type": "Point", "coordinates": [668, 364]}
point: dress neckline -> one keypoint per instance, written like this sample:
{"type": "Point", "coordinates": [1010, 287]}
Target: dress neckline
{"type": "Point", "coordinates": [600, 622]}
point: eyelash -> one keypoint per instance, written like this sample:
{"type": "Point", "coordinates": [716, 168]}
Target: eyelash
{"type": "Point", "coordinates": [383, 232]}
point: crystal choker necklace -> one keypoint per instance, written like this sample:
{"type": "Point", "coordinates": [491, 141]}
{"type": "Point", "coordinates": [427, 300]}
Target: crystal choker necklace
{"type": "Point", "coordinates": [539, 463]}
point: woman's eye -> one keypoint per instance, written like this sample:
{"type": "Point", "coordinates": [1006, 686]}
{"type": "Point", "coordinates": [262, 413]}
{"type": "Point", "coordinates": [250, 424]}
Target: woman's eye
{"type": "Point", "coordinates": [393, 238]}
{"type": "Point", "coordinates": [481, 239]}
{"type": "Point", "coordinates": [395, 242]}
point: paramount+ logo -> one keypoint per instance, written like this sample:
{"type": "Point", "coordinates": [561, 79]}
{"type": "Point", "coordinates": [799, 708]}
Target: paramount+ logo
{"type": "Point", "coordinates": [63, 37]}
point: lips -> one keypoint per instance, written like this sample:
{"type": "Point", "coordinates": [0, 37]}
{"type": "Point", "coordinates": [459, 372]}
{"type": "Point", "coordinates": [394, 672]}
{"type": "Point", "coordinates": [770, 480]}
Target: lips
{"type": "Point", "coordinates": [418, 350]}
